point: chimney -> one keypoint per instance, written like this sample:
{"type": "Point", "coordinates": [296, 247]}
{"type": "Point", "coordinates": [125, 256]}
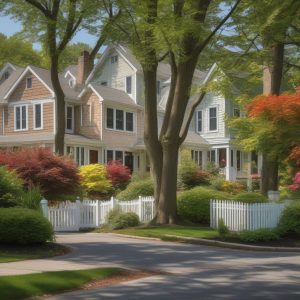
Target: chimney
{"type": "Point", "coordinates": [83, 67]}
{"type": "Point", "coordinates": [297, 88]}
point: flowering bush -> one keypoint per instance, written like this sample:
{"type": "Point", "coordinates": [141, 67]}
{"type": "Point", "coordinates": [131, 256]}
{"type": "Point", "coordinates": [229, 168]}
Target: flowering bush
{"type": "Point", "coordinates": [296, 184]}
{"type": "Point", "coordinates": [55, 175]}
{"type": "Point", "coordinates": [94, 179]}
{"type": "Point", "coordinates": [118, 174]}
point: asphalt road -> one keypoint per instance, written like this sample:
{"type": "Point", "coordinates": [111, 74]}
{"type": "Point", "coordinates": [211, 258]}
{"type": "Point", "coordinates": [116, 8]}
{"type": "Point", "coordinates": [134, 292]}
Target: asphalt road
{"type": "Point", "coordinates": [194, 272]}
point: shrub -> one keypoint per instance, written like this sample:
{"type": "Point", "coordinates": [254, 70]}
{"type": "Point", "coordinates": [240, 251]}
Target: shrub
{"type": "Point", "coordinates": [10, 187]}
{"type": "Point", "coordinates": [136, 188]}
{"type": "Point", "coordinates": [259, 235]}
{"type": "Point", "coordinates": [94, 179]}
{"type": "Point", "coordinates": [118, 220]}
{"type": "Point", "coordinates": [193, 205]}
{"type": "Point", "coordinates": [219, 183]}
{"type": "Point", "coordinates": [31, 198]}
{"type": "Point", "coordinates": [55, 175]}
{"type": "Point", "coordinates": [249, 197]}
{"type": "Point", "coordinates": [189, 174]}
{"type": "Point", "coordinates": [290, 220]}
{"type": "Point", "coordinates": [223, 230]}
{"type": "Point", "coordinates": [118, 174]}
{"type": "Point", "coordinates": [24, 226]}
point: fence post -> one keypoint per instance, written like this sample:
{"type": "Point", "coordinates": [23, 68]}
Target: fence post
{"type": "Point", "coordinates": [78, 212]}
{"type": "Point", "coordinates": [44, 206]}
{"type": "Point", "coordinates": [140, 208]}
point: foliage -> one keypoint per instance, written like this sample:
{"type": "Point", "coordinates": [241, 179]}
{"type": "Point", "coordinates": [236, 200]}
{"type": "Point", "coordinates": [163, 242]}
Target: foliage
{"type": "Point", "coordinates": [94, 179]}
{"type": "Point", "coordinates": [223, 230]}
{"type": "Point", "coordinates": [117, 219]}
{"type": "Point", "coordinates": [10, 187]}
{"type": "Point", "coordinates": [31, 198]}
{"type": "Point", "coordinates": [296, 184]}
{"type": "Point", "coordinates": [24, 226]}
{"type": "Point", "coordinates": [290, 220]}
{"type": "Point", "coordinates": [17, 51]}
{"type": "Point", "coordinates": [138, 187]}
{"type": "Point", "coordinates": [232, 187]}
{"type": "Point", "coordinates": [250, 197]}
{"type": "Point", "coordinates": [193, 205]}
{"type": "Point", "coordinates": [259, 235]}
{"type": "Point", "coordinates": [189, 174]}
{"type": "Point", "coordinates": [55, 175]}
{"type": "Point", "coordinates": [118, 174]}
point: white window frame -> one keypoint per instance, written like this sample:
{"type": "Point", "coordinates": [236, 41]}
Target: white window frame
{"type": "Point", "coordinates": [15, 119]}
{"type": "Point", "coordinates": [114, 59]}
{"type": "Point", "coordinates": [114, 155]}
{"type": "Point", "coordinates": [217, 119]}
{"type": "Point", "coordinates": [28, 88]}
{"type": "Point", "coordinates": [197, 120]}
{"type": "Point", "coordinates": [69, 130]}
{"type": "Point", "coordinates": [124, 120]}
{"type": "Point", "coordinates": [130, 76]}
{"type": "Point", "coordinates": [42, 116]}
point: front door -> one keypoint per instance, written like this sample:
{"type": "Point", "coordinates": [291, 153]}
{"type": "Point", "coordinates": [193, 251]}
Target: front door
{"type": "Point", "coordinates": [129, 160]}
{"type": "Point", "coordinates": [93, 156]}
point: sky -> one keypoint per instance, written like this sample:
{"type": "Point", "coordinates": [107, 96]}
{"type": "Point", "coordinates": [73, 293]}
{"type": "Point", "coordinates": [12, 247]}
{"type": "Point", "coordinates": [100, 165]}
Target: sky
{"type": "Point", "coordinates": [10, 27]}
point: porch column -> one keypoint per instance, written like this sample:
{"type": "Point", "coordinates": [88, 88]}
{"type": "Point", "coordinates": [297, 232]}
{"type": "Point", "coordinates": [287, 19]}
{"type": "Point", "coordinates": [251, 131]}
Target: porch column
{"type": "Point", "coordinates": [228, 172]}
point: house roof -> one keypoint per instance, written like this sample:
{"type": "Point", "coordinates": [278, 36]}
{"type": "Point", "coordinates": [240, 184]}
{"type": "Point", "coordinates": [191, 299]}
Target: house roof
{"type": "Point", "coordinates": [114, 95]}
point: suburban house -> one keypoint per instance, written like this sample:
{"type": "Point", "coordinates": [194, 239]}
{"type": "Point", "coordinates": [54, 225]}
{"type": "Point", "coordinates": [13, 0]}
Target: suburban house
{"type": "Point", "coordinates": [104, 114]}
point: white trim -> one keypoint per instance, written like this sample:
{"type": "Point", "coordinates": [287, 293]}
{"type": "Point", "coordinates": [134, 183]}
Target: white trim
{"type": "Point", "coordinates": [69, 73]}
{"type": "Point", "coordinates": [29, 88]}
{"type": "Point", "coordinates": [197, 120]}
{"type": "Point", "coordinates": [15, 119]}
{"type": "Point", "coordinates": [7, 65]}
{"type": "Point", "coordinates": [32, 102]}
{"type": "Point", "coordinates": [217, 118]}
{"type": "Point", "coordinates": [81, 114]}
{"type": "Point", "coordinates": [34, 116]}
{"type": "Point", "coordinates": [27, 69]}
{"type": "Point", "coordinates": [54, 118]}
{"type": "Point", "coordinates": [66, 113]}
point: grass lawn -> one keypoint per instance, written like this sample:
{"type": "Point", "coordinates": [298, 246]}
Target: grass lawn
{"type": "Point", "coordinates": [23, 286]}
{"type": "Point", "coordinates": [161, 232]}
{"type": "Point", "coordinates": [10, 253]}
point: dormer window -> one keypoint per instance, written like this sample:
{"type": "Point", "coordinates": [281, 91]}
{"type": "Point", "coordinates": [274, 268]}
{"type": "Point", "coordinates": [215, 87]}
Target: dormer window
{"type": "Point", "coordinates": [114, 59]}
{"type": "Point", "coordinates": [6, 75]}
{"type": "Point", "coordinates": [28, 83]}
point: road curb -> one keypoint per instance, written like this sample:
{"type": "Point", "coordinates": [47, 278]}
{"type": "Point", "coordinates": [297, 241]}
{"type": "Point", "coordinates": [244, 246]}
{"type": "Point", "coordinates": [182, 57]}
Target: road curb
{"type": "Point", "coordinates": [214, 243]}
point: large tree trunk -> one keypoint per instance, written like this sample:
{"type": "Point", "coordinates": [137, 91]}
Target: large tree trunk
{"type": "Point", "coordinates": [272, 78]}
{"type": "Point", "coordinates": [60, 107]}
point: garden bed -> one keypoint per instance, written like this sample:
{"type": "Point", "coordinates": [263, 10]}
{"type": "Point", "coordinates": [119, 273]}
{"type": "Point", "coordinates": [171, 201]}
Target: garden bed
{"type": "Point", "coordinates": [10, 253]}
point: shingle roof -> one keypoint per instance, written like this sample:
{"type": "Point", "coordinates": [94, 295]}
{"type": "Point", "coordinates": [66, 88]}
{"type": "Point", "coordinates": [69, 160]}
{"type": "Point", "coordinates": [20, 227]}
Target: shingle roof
{"type": "Point", "coordinates": [8, 83]}
{"type": "Point", "coordinates": [113, 95]}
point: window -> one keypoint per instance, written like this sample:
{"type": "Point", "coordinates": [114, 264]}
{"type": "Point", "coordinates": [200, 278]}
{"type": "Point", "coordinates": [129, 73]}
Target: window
{"type": "Point", "coordinates": [69, 117]}
{"type": "Point", "coordinates": [199, 121]}
{"type": "Point", "coordinates": [79, 157]}
{"type": "Point", "coordinates": [6, 75]}
{"type": "Point", "coordinates": [104, 83]}
{"type": "Point", "coordinates": [231, 158]}
{"type": "Point", "coordinates": [128, 84]}
{"type": "Point", "coordinates": [197, 157]}
{"type": "Point", "coordinates": [119, 156]}
{"type": "Point", "coordinates": [21, 117]}
{"type": "Point", "coordinates": [38, 116]}
{"type": "Point", "coordinates": [213, 118]}
{"type": "Point", "coordinates": [28, 83]}
{"type": "Point", "coordinates": [124, 157]}
{"type": "Point", "coordinates": [236, 112]}
{"type": "Point", "coordinates": [109, 155]}
{"type": "Point", "coordinates": [211, 156]}
{"type": "Point", "coordinates": [119, 119]}
{"type": "Point", "coordinates": [129, 121]}
{"type": "Point", "coordinates": [110, 118]}
{"type": "Point", "coordinates": [114, 59]}
{"type": "Point", "coordinates": [238, 160]}
{"type": "Point", "coordinates": [158, 87]}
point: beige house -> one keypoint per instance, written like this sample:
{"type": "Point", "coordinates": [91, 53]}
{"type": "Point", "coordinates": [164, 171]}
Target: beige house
{"type": "Point", "coordinates": [104, 114]}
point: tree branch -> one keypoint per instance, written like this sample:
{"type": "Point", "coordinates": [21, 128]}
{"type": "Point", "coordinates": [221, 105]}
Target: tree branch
{"type": "Point", "coordinates": [40, 7]}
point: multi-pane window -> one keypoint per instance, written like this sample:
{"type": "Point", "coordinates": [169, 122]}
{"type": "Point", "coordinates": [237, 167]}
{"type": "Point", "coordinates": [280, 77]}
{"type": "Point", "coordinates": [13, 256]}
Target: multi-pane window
{"type": "Point", "coordinates": [211, 156]}
{"type": "Point", "coordinates": [79, 155]}
{"type": "Point", "coordinates": [109, 155]}
{"type": "Point", "coordinates": [199, 120]}
{"type": "Point", "coordinates": [128, 84]}
{"type": "Point", "coordinates": [119, 120]}
{"type": "Point", "coordinates": [69, 118]}
{"type": "Point", "coordinates": [124, 157]}
{"type": "Point", "coordinates": [213, 118]}
{"type": "Point", "coordinates": [38, 118]}
{"type": "Point", "coordinates": [236, 112]}
{"type": "Point", "coordinates": [197, 157]}
{"type": "Point", "coordinates": [119, 156]}
{"type": "Point", "coordinates": [28, 83]}
{"type": "Point", "coordinates": [21, 117]}
{"type": "Point", "coordinates": [114, 59]}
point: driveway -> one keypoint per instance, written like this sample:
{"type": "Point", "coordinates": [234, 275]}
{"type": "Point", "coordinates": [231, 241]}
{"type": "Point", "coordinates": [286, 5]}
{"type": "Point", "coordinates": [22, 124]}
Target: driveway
{"type": "Point", "coordinates": [194, 272]}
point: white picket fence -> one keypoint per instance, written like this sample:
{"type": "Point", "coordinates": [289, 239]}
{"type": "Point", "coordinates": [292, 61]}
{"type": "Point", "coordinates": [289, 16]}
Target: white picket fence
{"type": "Point", "coordinates": [71, 216]}
{"type": "Point", "coordinates": [243, 216]}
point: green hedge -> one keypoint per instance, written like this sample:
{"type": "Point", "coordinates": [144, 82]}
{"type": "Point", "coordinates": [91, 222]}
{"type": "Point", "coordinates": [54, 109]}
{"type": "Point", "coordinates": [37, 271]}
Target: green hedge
{"type": "Point", "coordinates": [249, 197]}
{"type": "Point", "coordinates": [117, 219]}
{"type": "Point", "coordinates": [259, 235]}
{"type": "Point", "coordinates": [24, 226]}
{"type": "Point", "coordinates": [193, 205]}
{"type": "Point", "coordinates": [138, 187]}
{"type": "Point", "coordinates": [290, 220]}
